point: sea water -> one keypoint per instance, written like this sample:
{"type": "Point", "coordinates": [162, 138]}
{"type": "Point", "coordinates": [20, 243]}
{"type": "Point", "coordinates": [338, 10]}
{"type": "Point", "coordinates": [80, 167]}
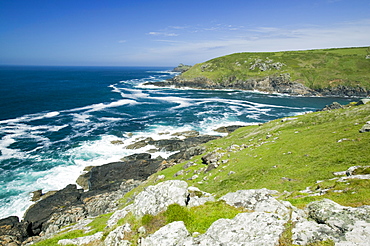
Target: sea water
{"type": "Point", "coordinates": [55, 121]}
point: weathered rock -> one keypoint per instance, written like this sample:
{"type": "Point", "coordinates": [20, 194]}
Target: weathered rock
{"type": "Point", "coordinates": [305, 232]}
{"type": "Point", "coordinates": [182, 68]}
{"type": "Point", "coordinates": [245, 229]}
{"type": "Point", "coordinates": [172, 234]}
{"type": "Point", "coordinates": [363, 101]}
{"type": "Point", "coordinates": [117, 236]}
{"type": "Point", "coordinates": [332, 106]}
{"type": "Point", "coordinates": [198, 197]}
{"type": "Point", "coordinates": [350, 224]}
{"type": "Point", "coordinates": [105, 176]}
{"type": "Point", "coordinates": [58, 220]}
{"type": "Point", "coordinates": [13, 231]}
{"type": "Point", "coordinates": [119, 214]}
{"type": "Point", "coordinates": [155, 199]}
{"type": "Point", "coordinates": [227, 129]}
{"type": "Point", "coordinates": [258, 200]}
{"type": "Point", "coordinates": [365, 128]}
{"type": "Point", "coordinates": [82, 240]}
{"type": "Point", "coordinates": [212, 157]}
{"type": "Point", "coordinates": [41, 211]}
{"type": "Point", "coordinates": [337, 216]}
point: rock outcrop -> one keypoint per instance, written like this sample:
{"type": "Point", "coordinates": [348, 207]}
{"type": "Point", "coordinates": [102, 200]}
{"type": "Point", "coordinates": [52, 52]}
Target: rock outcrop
{"type": "Point", "coordinates": [271, 84]}
{"type": "Point", "coordinates": [264, 223]}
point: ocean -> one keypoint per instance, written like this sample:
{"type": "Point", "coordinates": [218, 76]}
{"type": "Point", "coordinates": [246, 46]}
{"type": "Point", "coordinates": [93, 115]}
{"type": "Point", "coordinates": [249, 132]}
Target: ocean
{"type": "Point", "coordinates": [55, 121]}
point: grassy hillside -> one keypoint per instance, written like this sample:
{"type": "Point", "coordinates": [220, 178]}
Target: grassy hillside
{"type": "Point", "coordinates": [314, 68]}
{"type": "Point", "coordinates": [287, 155]}
{"type": "Point", "coordinates": [290, 156]}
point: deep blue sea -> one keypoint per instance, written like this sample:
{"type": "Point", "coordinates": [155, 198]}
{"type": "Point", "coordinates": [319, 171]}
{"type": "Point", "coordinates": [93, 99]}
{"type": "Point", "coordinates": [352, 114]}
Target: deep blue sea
{"type": "Point", "coordinates": [54, 121]}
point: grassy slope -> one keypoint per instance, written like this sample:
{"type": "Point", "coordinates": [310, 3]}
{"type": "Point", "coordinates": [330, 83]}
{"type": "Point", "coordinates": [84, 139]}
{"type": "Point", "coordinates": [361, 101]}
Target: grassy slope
{"type": "Point", "coordinates": [313, 68]}
{"type": "Point", "coordinates": [303, 150]}
{"type": "Point", "coordinates": [295, 155]}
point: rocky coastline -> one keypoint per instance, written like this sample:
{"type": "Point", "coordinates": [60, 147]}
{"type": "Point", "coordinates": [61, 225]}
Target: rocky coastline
{"type": "Point", "coordinates": [102, 187]}
{"type": "Point", "coordinates": [281, 84]}
{"type": "Point", "coordinates": [264, 220]}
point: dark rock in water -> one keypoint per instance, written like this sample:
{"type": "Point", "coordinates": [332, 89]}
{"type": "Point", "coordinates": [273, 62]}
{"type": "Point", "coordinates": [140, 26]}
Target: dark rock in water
{"type": "Point", "coordinates": [332, 106]}
{"type": "Point", "coordinates": [227, 129]}
{"type": "Point", "coordinates": [103, 177]}
{"type": "Point", "coordinates": [12, 231]}
{"type": "Point", "coordinates": [41, 211]}
{"type": "Point", "coordinates": [36, 195]}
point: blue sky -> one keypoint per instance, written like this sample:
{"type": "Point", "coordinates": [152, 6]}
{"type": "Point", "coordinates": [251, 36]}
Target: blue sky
{"type": "Point", "coordinates": [166, 33]}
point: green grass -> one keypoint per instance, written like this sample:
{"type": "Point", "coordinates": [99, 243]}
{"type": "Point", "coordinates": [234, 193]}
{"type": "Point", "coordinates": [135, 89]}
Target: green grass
{"type": "Point", "coordinates": [296, 155]}
{"type": "Point", "coordinates": [284, 156]}
{"type": "Point", "coordinates": [316, 69]}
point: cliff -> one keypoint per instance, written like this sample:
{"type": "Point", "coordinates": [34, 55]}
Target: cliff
{"type": "Point", "coordinates": [328, 72]}
{"type": "Point", "coordinates": [299, 180]}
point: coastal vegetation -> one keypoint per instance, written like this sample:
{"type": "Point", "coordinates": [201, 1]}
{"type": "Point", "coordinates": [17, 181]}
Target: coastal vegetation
{"type": "Point", "coordinates": [316, 69]}
{"type": "Point", "coordinates": [305, 158]}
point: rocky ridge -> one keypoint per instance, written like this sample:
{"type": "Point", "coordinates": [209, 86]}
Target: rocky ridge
{"type": "Point", "coordinates": [263, 222]}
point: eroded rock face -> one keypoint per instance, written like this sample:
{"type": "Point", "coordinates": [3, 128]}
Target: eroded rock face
{"type": "Point", "coordinates": [256, 228]}
{"type": "Point", "coordinates": [116, 237]}
{"type": "Point", "coordinates": [155, 199]}
{"type": "Point", "coordinates": [260, 200]}
{"type": "Point", "coordinates": [329, 220]}
{"type": "Point", "coordinates": [172, 234]}
{"type": "Point", "coordinates": [12, 231]}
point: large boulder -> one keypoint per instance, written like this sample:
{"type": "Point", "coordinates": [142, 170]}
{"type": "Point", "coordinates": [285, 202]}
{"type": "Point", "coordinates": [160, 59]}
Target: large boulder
{"type": "Point", "coordinates": [39, 213]}
{"type": "Point", "coordinates": [349, 226]}
{"type": "Point", "coordinates": [116, 237]}
{"type": "Point", "coordinates": [12, 231]}
{"type": "Point", "coordinates": [256, 228]}
{"type": "Point", "coordinates": [172, 234]}
{"type": "Point", "coordinates": [155, 199]}
{"type": "Point", "coordinates": [260, 200]}
{"type": "Point", "coordinates": [105, 176]}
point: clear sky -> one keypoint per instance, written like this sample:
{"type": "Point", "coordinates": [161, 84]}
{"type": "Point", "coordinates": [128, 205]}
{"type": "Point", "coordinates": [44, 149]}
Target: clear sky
{"type": "Point", "coordinates": [166, 33]}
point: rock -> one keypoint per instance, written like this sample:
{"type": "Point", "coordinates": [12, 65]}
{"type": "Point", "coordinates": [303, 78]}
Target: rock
{"type": "Point", "coordinates": [365, 128]}
{"type": "Point", "coordinates": [198, 197]}
{"type": "Point", "coordinates": [256, 228]}
{"type": "Point", "coordinates": [117, 236]}
{"type": "Point", "coordinates": [117, 215]}
{"type": "Point", "coordinates": [186, 134]}
{"type": "Point", "coordinates": [113, 174]}
{"type": "Point", "coordinates": [227, 129]}
{"type": "Point", "coordinates": [332, 106]}
{"type": "Point", "coordinates": [36, 195]}
{"type": "Point", "coordinates": [40, 212]}
{"type": "Point", "coordinates": [13, 231]}
{"type": "Point", "coordinates": [172, 234]}
{"type": "Point", "coordinates": [212, 157]}
{"type": "Point", "coordinates": [82, 240]}
{"type": "Point", "coordinates": [363, 101]}
{"type": "Point", "coordinates": [60, 219]}
{"type": "Point", "coordinates": [155, 199]}
{"type": "Point", "coordinates": [306, 232]}
{"type": "Point", "coordinates": [338, 218]}
{"type": "Point", "coordinates": [258, 200]}
{"type": "Point", "coordinates": [139, 144]}
{"type": "Point", "coordinates": [181, 68]}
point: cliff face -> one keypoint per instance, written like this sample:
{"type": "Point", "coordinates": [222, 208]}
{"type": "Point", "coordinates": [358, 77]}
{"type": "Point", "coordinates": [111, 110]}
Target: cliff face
{"type": "Point", "coordinates": [331, 72]}
{"type": "Point", "coordinates": [271, 84]}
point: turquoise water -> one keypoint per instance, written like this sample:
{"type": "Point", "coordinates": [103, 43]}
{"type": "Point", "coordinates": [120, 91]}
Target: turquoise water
{"type": "Point", "coordinates": [54, 121]}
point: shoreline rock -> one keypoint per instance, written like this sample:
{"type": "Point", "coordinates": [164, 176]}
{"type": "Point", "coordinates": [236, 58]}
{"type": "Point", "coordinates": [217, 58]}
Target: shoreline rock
{"type": "Point", "coordinates": [271, 84]}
